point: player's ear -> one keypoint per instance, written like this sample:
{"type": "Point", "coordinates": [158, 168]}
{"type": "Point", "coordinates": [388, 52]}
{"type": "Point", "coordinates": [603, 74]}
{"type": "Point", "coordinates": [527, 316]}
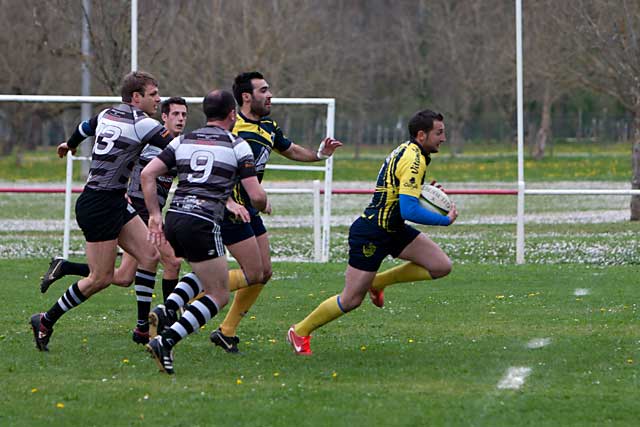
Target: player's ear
{"type": "Point", "coordinates": [231, 118]}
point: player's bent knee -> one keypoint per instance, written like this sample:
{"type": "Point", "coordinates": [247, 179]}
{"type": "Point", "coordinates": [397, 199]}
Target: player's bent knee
{"type": "Point", "coordinates": [171, 266]}
{"type": "Point", "coordinates": [349, 304]}
{"type": "Point", "coordinates": [148, 260]}
{"type": "Point", "coordinates": [254, 277]}
{"type": "Point", "coordinates": [123, 282]}
{"type": "Point", "coordinates": [122, 279]}
{"type": "Point", "coordinates": [168, 259]}
{"type": "Point", "coordinates": [266, 275]}
{"type": "Point", "coordinates": [442, 270]}
{"type": "Point", "coordinates": [352, 307]}
{"type": "Point", "coordinates": [99, 282]}
{"type": "Point", "coordinates": [122, 285]}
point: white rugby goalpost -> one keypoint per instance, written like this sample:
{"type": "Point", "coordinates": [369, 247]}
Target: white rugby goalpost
{"type": "Point", "coordinates": [522, 190]}
{"type": "Point", "coordinates": [321, 226]}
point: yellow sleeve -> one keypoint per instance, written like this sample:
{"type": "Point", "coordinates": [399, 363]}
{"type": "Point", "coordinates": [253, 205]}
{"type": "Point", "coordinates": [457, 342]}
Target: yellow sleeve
{"type": "Point", "coordinates": [410, 172]}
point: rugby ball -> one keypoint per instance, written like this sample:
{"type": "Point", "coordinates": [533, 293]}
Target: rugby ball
{"type": "Point", "coordinates": [434, 199]}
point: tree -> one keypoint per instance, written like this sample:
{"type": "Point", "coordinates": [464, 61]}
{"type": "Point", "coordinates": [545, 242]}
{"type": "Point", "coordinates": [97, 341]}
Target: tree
{"type": "Point", "coordinates": [545, 63]}
{"type": "Point", "coordinates": [467, 56]}
{"type": "Point", "coordinates": [604, 53]}
{"type": "Point", "coordinates": [31, 64]}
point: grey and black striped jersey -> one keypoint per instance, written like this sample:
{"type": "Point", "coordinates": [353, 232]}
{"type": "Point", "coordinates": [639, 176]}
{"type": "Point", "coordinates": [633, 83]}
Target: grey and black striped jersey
{"type": "Point", "coordinates": [121, 133]}
{"type": "Point", "coordinates": [163, 183]}
{"type": "Point", "coordinates": [210, 161]}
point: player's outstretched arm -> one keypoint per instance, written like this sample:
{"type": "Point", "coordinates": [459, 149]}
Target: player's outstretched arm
{"type": "Point", "coordinates": [302, 154]}
{"type": "Point", "coordinates": [84, 130]}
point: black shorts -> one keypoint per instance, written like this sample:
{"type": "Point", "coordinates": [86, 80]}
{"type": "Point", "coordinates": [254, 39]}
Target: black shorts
{"type": "Point", "coordinates": [235, 230]}
{"type": "Point", "coordinates": [192, 237]}
{"type": "Point", "coordinates": [102, 214]}
{"type": "Point", "coordinates": [141, 208]}
{"type": "Point", "coordinates": [370, 244]}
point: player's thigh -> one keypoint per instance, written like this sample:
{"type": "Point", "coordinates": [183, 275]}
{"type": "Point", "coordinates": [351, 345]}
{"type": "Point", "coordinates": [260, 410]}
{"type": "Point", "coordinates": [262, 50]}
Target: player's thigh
{"type": "Point", "coordinates": [426, 253]}
{"type": "Point", "coordinates": [168, 257]}
{"type": "Point", "coordinates": [133, 239]}
{"type": "Point", "coordinates": [247, 254]}
{"type": "Point", "coordinates": [101, 258]}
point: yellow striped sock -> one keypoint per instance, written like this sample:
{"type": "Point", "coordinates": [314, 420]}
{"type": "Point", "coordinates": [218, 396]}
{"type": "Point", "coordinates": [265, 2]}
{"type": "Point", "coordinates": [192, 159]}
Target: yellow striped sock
{"type": "Point", "coordinates": [407, 272]}
{"type": "Point", "coordinates": [327, 311]}
{"type": "Point", "coordinates": [242, 302]}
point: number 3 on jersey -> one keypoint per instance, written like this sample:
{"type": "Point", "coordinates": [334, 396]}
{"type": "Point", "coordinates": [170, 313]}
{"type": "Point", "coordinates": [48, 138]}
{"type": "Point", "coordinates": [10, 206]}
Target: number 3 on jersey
{"type": "Point", "coordinates": [201, 161]}
{"type": "Point", "coordinates": [106, 140]}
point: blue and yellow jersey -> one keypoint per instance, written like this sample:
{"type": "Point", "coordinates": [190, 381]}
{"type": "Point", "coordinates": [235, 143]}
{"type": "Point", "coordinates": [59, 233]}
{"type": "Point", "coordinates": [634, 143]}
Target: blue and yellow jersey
{"type": "Point", "coordinates": [263, 136]}
{"type": "Point", "coordinates": [402, 172]}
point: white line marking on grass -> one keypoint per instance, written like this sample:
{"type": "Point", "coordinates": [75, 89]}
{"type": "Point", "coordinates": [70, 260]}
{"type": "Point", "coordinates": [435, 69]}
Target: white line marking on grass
{"type": "Point", "coordinates": [514, 378]}
{"type": "Point", "coordinates": [538, 343]}
{"type": "Point", "coordinates": [580, 292]}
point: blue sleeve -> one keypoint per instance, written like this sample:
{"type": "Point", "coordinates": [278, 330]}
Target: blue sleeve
{"type": "Point", "coordinates": [411, 210]}
{"type": "Point", "coordinates": [84, 130]}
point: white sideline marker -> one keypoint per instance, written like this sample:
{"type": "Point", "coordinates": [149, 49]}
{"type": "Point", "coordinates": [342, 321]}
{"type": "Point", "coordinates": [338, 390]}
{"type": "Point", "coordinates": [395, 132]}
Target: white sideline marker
{"type": "Point", "coordinates": [580, 292]}
{"type": "Point", "coordinates": [514, 378]}
{"type": "Point", "coordinates": [538, 343]}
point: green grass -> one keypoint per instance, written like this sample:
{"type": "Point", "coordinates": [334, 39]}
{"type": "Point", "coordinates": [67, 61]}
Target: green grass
{"type": "Point", "coordinates": [433, 356]}
{"type": "Point", "coordinates": [42, 165]}
{"type": "Point", "coordinates": [481, 161]}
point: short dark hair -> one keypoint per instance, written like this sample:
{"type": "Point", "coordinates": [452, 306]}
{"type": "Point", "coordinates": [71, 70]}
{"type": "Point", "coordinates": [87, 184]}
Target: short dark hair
{"type": "Point", "coordinates": [136, 81]}
{"type": "Point", "coordinates": [165, 107]}
{"type": "Point", "coordinates": [218, 104]}
{"type": "Point", "coordinates": [423, 121]}
{"type": "Point", "coordinates": [242, 83]}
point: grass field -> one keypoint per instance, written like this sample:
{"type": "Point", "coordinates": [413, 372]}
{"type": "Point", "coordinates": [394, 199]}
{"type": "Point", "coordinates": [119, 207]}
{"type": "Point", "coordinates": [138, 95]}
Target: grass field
{"type": "Point", "coordinates": [433, 356]}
